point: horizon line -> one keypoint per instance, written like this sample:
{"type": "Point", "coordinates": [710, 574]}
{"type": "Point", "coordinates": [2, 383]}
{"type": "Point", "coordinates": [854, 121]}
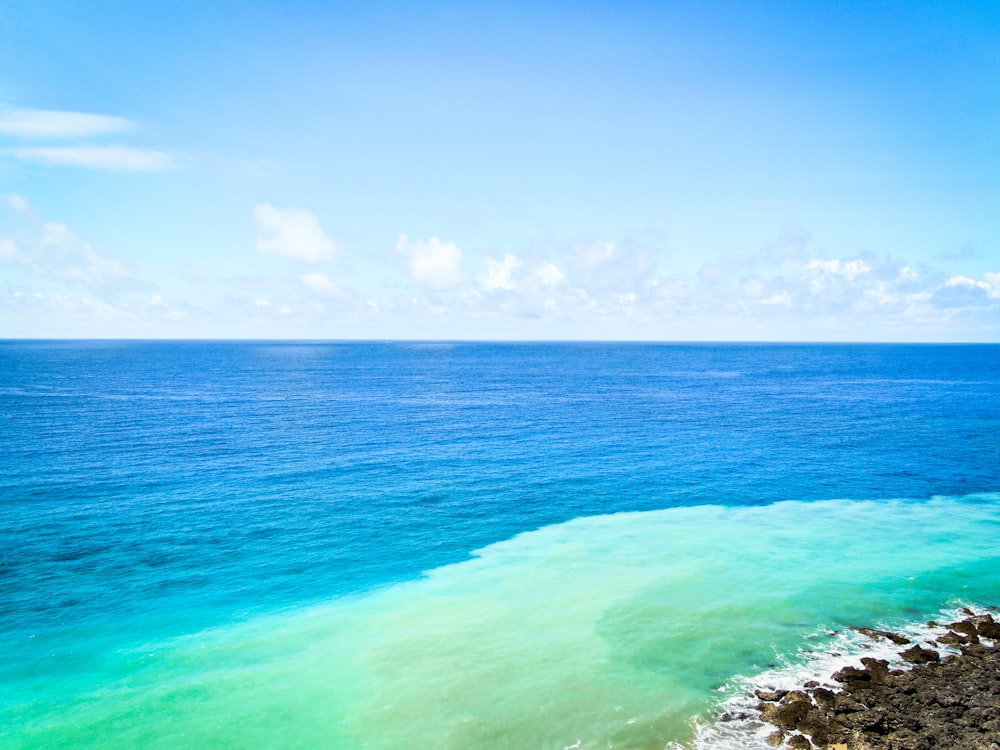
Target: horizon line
{"type": "Point", "coordinates": [381, 340]}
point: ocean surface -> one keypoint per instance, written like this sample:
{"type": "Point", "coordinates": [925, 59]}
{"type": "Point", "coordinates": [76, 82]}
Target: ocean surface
{"type": "Point", "coordinates": [467, 546]}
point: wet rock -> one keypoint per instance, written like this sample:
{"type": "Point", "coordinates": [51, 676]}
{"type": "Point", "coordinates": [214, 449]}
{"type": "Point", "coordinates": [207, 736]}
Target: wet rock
{"type": "Point", "coordinates": [776, 738]}
{"type": "Point", "coordinates": [989, 629]}
{"type": "Point", "coordinates": [770, 695]}
{"type": "Point", "coordinates": [798, 742]}
{"type": "Point", "coordinates": [785, 715]}
{"type": "Point", "coordinates": [820, 727]}
{"type": "Point", "coordinates": [954, 639]}
{"type": "Point", "coordinates": [920, 655]}
{"type": "Point", "coordinates": [852, 674]}
{"type": "Point", "coordinates": [878, 669]}
{"type": "Point", "coordinates": [796, 696]}
{"type": "Point", "coordinates": [899, 640]}
{"type": "Point", "coordinates": [966, 627]}
{"type": "Point", "coordinates": [824, 698]}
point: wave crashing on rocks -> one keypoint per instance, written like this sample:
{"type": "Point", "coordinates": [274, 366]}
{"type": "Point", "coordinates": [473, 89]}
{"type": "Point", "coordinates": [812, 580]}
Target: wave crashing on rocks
{"type": "Point", "coordinates": [927, 685]}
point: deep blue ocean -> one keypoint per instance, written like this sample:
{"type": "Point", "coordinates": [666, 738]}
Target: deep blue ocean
{"type": "Point", "coordinates": [165, 492]}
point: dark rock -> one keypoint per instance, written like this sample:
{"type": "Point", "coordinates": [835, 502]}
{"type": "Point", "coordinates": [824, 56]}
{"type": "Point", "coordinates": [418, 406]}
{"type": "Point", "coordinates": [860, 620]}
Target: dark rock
{"type": "Point", "coordinates": [798, 742]}
{"type": "Point", "coordinates": [973, 649]}
{"type": "Point", "coordinates": [796, 696]}
{"type": "Point", "coordinates": [966, 627]}
{"type": "Point", "coordinates": [920, 655]}
{"type": "Point", "coordinates": [785, 715]}
{"type": "Point", "coordinates": [899, 640]}
{"type": "Point", "coordinates": [820, 727]}
{"type": "Point", "coordinates": [954, 639]}
{"type": "Point", "coordinates": [824, 698]}
{"type": "Point", "coordinates": [770, 695]}
{"type": "Point", "coordinates": [776, 738]}
{"type": "Point", "coordinates": [852, 674]}
{"type": "Point", "coordinates": [872, 721]}
{"type": "Point", "coordinates": [877, 668]}
{"type": "Point", "coordinates": [989, 629]}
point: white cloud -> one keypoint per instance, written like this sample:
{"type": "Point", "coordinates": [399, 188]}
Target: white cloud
{"type": "Point", "coordinates": [549, 274]}
{"type": "Point", "coordinates": [48, 123]}
{"type": "Point", "coordinates": [52, 250]}
{"type": "Point", "coordinates": [323, 285]}
{"type": "Point", "coordinates": [63, 254]}
{"type": "Point", "coordinates": [17, 203]}
{"type": "Point", "coordinates": [498, 273]}
{"type": "Point", "coordinates": [610, 269]}
{"type": "Point", "coordinates": [8, 251]}
{"type": "Point", "coordinates": [292, 233]}
{"type": "Point", "coordinates": [967, 282]}
{"type": "Point", "coordinates": [961, 292]}
{"type": "Point", "coordinates": [598, 253]}
{"type": "Point", "coordinates": [783, 299]}
{"type": "Point", "coordinates": [850, 269]}
{"type": "Point", "coordinates": [433, 262]}
{"type": "Point", "coordinates": [118, 158]}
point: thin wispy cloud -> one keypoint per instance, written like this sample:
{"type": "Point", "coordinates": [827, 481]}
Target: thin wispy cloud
{"type": "Point", "coordinates": [48, 123]}
{"type": "Point", "coordinates": [115, 158]}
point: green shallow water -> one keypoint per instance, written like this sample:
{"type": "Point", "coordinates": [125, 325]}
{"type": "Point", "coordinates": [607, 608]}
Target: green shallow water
{"type": "Point", "coordinates": [603, 632]}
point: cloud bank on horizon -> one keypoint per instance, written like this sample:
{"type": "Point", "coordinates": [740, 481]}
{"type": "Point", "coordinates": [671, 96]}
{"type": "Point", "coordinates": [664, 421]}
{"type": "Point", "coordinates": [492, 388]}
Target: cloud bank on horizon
{"type": "Point", "coordinates": [736, 173]}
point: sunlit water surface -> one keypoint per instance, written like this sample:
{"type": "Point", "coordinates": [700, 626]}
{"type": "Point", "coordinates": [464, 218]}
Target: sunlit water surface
{"type": "Point", "coordinates": [455, 546]}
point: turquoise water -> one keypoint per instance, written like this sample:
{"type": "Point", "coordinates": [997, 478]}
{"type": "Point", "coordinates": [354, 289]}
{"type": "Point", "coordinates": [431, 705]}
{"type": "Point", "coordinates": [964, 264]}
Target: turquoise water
{"type": "Point", "coordinates": [451, 547]}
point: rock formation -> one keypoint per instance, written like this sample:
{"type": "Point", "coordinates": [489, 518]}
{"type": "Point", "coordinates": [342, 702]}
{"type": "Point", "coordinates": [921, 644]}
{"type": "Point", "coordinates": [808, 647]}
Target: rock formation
{"type": "Point", "coordinates": [946, 699]}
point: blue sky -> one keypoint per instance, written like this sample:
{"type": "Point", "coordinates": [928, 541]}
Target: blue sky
{"type": "Point", "coordinates": [668, 171]}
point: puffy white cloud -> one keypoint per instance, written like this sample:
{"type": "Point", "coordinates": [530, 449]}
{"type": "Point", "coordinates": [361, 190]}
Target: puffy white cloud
{"type": "Point", "coordinates": [49, 123]}
{"type": "Point", "coordinates": [117, 158]}
{"type": "Point", "coordinates": [498, 273]}
{"type": "Point", "coordinates": [293, 233]}
{"type": "Point", "coordinates": [549, 274]}
{"type": "Point", "coordinates": [432, 262]}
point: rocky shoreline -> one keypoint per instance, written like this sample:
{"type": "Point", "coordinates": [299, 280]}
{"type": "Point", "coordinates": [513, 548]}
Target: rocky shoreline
{"type": "Point", "coordinates": [942, 693]}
